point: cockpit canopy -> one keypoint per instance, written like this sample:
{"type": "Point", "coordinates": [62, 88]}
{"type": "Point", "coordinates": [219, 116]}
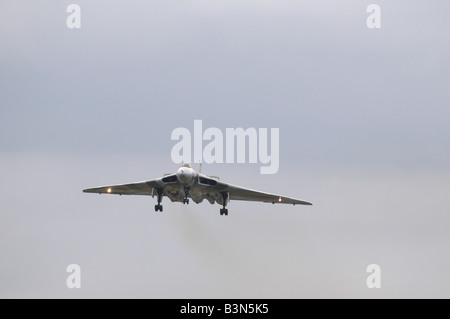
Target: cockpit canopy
{"type": "Point", "coordinates": [187, 165]}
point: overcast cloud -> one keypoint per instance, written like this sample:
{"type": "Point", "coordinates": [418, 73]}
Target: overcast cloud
{"type": "Point", "coordinates": [364, 134]}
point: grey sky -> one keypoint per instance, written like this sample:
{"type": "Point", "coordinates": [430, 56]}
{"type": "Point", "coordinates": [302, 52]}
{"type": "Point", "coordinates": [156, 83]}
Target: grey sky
{"type": "Point", "coordinates": [364, 134]}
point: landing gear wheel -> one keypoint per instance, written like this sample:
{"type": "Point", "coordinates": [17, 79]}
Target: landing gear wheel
{"type": "Point", "coordinates": [186, 194]}
{"type": "Point", "coordinates": [224, 211]}
{"type": "Point", "coordinates": [159, 207]}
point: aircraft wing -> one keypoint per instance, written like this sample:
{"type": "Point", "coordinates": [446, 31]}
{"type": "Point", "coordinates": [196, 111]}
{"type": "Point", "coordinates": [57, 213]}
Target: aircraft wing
{"type": "Point", "coordinates": [212, 189]}
{"type": "Point", "coordinates": [206, 189]}
{"type": "Point", "coordinates": [241, 193]}
{"type": "Point", "coordinates": [142, 188]}
{"type": "Point", "coordinates": [169, 184]}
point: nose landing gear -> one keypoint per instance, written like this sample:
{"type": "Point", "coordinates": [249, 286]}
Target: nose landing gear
{"type": "Point", "coordinates": [186, 193]}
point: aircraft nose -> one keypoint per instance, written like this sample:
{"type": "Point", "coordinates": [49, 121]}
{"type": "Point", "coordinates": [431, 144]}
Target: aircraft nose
{"type": "Point", "coordinates": [184, 175]}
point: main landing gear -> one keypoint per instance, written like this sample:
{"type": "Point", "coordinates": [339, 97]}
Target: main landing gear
{"type": "Point", "coordinates": [224, 211]}
{"type": "Point", "coordinates": [159, 207]}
